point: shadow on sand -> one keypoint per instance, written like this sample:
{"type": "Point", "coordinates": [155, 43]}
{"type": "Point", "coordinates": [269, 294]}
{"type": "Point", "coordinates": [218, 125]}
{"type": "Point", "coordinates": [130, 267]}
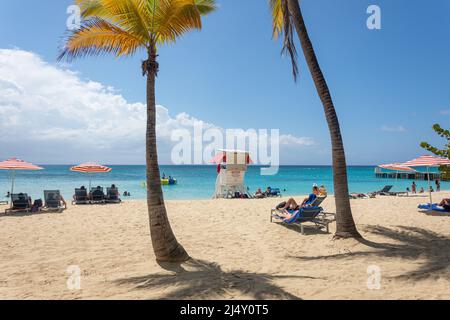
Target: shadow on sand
{"type": "Point", "coordinates": [409, 243]}
{"type": "Point", "coordinates": [197, 279]}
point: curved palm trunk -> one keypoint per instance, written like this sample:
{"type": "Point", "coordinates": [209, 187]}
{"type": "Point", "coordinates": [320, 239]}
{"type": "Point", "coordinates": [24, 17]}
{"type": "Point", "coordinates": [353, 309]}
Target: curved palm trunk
{"type": "Point", "coordinates": [346, 227]}
{"type": "Point", "coordinates": [165, 245]}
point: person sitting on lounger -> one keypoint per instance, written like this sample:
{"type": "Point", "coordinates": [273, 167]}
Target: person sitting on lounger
{"type": "Point", "coordinates": [22, 198]}
{"type": "Point", "coordinates": [259, 194]}
{"type": "Point", "coordinates": [291, 204]}
{"type": "Point", "coordinates": [52, 197]}
{"type": "Point", "coordinates": [83, 188]}
{"type": "Point", "coordinates": [445, 203]}
{"type": "Point", "coordinates": [323, 191]}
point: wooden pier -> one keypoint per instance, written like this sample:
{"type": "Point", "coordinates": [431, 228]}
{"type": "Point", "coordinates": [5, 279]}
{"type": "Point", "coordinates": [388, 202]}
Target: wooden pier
{"type": "Point", "coordinates": [407, 175]}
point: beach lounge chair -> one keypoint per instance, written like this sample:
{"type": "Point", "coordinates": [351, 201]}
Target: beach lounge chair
{"type": "Point", "coordinates": [112, 195]}
{"type": "Point", "coordinates": [53, 201]}
{"type": "Point", "coordinates": [97, 195]}
{"type": "Point", "coordinates": [274, 193]}
{"type": "Point", "coordinates": [3, 202]}
{"type": "Point", "coordinates": [385, 191]}
{"type": "Point", "coordinates": [80, 197]}
{"type": "Point", "coordinates": [311, 214]}
{"type": "Point", "coordinates": [19, 203]}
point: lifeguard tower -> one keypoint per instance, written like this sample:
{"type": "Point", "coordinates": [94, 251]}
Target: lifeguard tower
{"type": "Point", "coordinates": [231, 168]}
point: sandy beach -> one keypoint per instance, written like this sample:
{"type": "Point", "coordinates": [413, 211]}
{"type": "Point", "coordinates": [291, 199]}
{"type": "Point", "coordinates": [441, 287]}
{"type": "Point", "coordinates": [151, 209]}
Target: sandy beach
{"type": "Point", "coordinates": [237, 253]}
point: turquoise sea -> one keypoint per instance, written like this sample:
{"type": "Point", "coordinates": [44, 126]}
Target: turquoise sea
{"type": "Point", "coordinates": [196, 182]}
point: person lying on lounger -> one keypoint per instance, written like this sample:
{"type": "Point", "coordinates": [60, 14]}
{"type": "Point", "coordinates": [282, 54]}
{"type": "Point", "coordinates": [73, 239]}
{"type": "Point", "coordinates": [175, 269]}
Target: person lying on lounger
{"type": "Point", "coordinates": [445, 203]}
{"type": "Point", "coordinates": [291, 204]}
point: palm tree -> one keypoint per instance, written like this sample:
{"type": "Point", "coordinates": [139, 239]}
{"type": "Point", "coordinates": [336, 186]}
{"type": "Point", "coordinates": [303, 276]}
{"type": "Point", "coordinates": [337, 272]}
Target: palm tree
{"type": "Point", "coordinates": [287, 15]}
{"type": "Point", "coordinates": [122, 27]}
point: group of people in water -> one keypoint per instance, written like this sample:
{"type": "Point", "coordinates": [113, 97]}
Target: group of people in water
{"type": "Point", "coordinates": [413, 189]}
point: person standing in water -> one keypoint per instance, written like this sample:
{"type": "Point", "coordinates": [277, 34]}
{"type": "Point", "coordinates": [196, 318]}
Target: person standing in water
{"type": "Point", "coordinates": [414, 187]}
{"type": "Point", "coordinates": [438, 185]}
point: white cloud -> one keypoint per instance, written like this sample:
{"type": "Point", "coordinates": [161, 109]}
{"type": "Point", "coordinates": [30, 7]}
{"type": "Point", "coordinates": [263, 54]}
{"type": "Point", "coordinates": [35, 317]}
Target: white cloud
{"type": "Point", "coordinates": [393, 128]}
{"type": "Point", "coordinates": [292, 140]}
{"type": "Point", "coordinates": [50, 115]}
{"type": "Point", "coordinates": [445, 112]}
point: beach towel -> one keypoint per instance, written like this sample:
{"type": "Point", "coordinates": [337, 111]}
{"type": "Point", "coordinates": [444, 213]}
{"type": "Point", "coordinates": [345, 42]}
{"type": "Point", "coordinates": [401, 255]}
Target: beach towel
{"type": "Point", "coordinates": [434, 207]}
{"type": "Point", "coordinates": [305, 214]}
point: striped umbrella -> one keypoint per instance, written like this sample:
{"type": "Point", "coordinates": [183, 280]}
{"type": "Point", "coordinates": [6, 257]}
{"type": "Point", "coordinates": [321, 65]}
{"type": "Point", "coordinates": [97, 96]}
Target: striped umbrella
{"type": "Point", "coordinates": [15, 164]}
{"type": "Point", "coordinates": [90, 168]}
{"type": "Point", "coordinates": [397, 167]}
{"type": "Point", "coordinates": [428, 162]}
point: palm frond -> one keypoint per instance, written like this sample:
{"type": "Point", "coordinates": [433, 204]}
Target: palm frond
{"type": "Point", "coordinates": [277, 17]}
{"type": "Point", "coordinates": [283, 24]}
{"type": "Point", "coordinates": [174, 18]}
{"type": "Point", "coordinates": [122, 26]}
{"type": "Point", "coordinates": [205, 6]}
{"type": "Point", "coordinates": [130, 15]}
{"type": "Point", "coordinates": [97, 36]}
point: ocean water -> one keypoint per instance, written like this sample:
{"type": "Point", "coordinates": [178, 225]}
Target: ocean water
{"type": "Point", "coordinates": [196, 182]}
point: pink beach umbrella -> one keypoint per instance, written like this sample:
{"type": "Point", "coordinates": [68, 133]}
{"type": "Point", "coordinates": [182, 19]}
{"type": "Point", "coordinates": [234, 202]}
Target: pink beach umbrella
{"type": "Point", "coordinates": [90, 168]}
{"type": "Point", "coordinates": [428, 162]}
{"type": "Point", "coordinates": [397, 167]}
{"type": "Point", "coordinates": [15, 164]}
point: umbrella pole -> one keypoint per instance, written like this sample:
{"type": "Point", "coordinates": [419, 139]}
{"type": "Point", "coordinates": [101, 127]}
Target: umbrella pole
{"type": "Point", "coordinates": [429, 187]}
{"type": "Point", "coordinates": [12, 181]}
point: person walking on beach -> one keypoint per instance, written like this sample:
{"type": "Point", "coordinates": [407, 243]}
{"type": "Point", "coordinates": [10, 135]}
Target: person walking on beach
{"type": "Point", "coordinates": [438, 185]}
{"type": "Point", "coordinates": [414, 187]}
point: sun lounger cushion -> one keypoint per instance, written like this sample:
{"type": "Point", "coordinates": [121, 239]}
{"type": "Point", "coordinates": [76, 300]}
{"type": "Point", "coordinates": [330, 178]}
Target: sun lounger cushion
{"type": "Point", "coordinates": [434, 207]}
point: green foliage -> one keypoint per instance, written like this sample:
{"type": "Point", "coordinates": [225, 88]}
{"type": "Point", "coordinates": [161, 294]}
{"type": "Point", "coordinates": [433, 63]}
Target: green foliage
{"type": "Point", "coordinates": [445, 152]}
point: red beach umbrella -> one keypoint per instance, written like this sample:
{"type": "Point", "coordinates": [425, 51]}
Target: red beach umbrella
{"type": "Point", "coordinates": [15, 164]}
{"type": "Point", "coordinates": [90, 167]}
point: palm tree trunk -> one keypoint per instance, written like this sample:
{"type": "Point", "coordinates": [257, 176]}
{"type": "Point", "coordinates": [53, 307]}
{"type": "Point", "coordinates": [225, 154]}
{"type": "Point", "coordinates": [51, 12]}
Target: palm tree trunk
{"type": "Point", "coordinates": [346, 227]}
{"type": "Point", "coordinates": [165, 245]}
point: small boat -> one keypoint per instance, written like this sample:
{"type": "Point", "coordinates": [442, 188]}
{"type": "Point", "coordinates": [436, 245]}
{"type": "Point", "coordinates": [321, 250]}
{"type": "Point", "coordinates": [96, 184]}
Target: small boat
{"type": "Point", "coordinates": [169, 182]}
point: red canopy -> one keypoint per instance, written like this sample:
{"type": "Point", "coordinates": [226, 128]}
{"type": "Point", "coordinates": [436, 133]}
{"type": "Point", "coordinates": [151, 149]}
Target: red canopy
{"type": "Point", "coordinates": [90, 168]}
{"type": "Point", "coordinates": [427, 161]}
{"type": "Point", "coordinates": [17, 164]}
{"type": "Point", "coordinates": [221, 157]}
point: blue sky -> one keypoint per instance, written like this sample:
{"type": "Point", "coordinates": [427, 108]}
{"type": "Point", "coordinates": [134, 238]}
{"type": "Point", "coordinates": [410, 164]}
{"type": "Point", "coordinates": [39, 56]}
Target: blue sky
{"type": "Point", "coordinates": [389, 86]}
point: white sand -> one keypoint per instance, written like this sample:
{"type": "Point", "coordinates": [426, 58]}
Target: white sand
{"type": "Point", "coordinates": [238, 253]}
